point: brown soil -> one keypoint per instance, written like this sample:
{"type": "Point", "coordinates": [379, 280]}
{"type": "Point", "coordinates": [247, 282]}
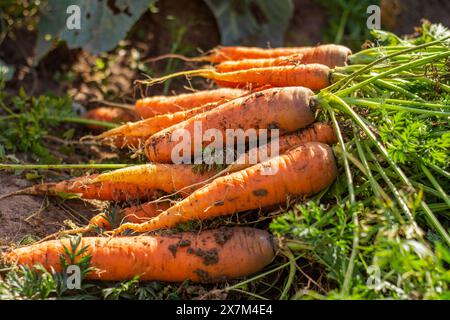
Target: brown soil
{"type": "Point", "coordinates": [22, 216]}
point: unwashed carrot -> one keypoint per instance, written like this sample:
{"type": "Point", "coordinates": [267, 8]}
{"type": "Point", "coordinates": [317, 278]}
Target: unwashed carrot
{"type": "Point", "coordinates": [313, 76]}
{"type": "Point", "coordinates": [304, 171]}
{"type": "Point", "coordinates": [170, 178]}
{"type": "Point", "coordinates": [330, 55]}
{"type": "Point", "coordinates": [134, 134]}
{"type": "Point", "coordinates": [317, 132]}
{"type": "Point", "coordinates": [87, 189]}
{"type": "Point", "coordinates": [337, 55]}
{"type": "Point", "coordinates": [208, 256]}
{"type": "Point", "coordinates": [139, 174]}
{"type": "Point", "coordinates": [109, 114]}
{"type": "Point", "coordinates": [152, 106]}
{"type": "Point", "coordinates": [134, 214]}
{"type": "Point", "coordinates": [286, 109]}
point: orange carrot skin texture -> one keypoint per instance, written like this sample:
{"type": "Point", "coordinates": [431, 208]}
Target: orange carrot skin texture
{"type": "Point", "coordinates": [235, 65]}
{"type": "Point", "coordinates": [304, 171]}
{"type": "Point", "coordinates": [181, 178]}
{"type": "Point", "coordinates": [317, 132]}
{"type": "Point", "coordinates": [222, 54]}
{"type": "Point", "coordinates": [109, 114]}
{"type": "Point", "coordinates": [313, 76]}
{"type": "Point", "coordinates": [208, 256]}
{"type": "Point", "coordinates": [152, 106]}
{"type": "Point", "coordinates": [134, 134]}
{"type": "Point", "coordinates": [287, 109]}
{"type": "Point", "coordinates": [107, 191]}
{"type": "Point", "coordinates": [331, 55]}
{"type": "Point", "coordinates": [134, 214]}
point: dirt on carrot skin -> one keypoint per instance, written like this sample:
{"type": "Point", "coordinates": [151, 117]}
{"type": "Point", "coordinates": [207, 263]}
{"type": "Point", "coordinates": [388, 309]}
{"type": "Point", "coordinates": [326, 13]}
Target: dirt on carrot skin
{"type": "Point", "coordinates": [23, 216]}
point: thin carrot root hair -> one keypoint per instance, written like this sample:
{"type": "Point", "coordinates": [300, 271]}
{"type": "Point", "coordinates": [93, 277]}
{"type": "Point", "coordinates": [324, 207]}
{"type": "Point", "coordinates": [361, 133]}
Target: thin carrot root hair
{"type": "Point", "coordinates": [177, 56]}
{"type": "Point", "coordinates": [209, 73]}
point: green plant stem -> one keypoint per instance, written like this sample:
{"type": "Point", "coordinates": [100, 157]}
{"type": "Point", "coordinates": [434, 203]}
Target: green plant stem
{"type": "Point", "coordinates": [109, 125]}
{"type": "Point", "coordinates": [396, 88]}
{"type": "Point", "coordinates": [440, 171]}
{"type": "Point", "coordinates": [436, 185]}
{"type": "Point", "coordinates": [290, 279]}
{"type": "Point", "coordinates": [345, 82]}
{"type": "Point", "coordinates": [348, 173]}
{"type": "Point", "coordinates": [4, 166]}
{"type": "Point", "coordinates": [376, 105]}
{"type": "Point", "coordinates": [406, 66]}
{"type": "Point", "coordinates": [408, 102]}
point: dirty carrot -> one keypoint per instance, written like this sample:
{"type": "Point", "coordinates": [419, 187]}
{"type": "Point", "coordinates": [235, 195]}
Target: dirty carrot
{"type": "Point", "coordinates": [313, 76]}
{"type": "Point", "coordinates": [87, 189]}
{"type": "Point", "coordinates": [135, 133]}
{"type": "Point", "coordinates": [208, 256]}
{"type": "Point", "coordinates": [169, 178]}
{"type": "Point", "coordinates": [317, 132]}
{"type": "Point", "coordinates": [328, 54]}
{"type": "Point", "coordinates": [303, 171]}
{"type": "Point", "coordinates": [134, 214]}
{"type": "Point", "coordinates": [152, 106]}
{"type": "Point", "coordinates": [286, 109]}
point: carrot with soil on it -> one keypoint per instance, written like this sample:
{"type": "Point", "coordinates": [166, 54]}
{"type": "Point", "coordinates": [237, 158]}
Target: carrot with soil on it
{"type": "Point", "coordinates": [303, 171]}
{"type": "Point", "coordinates": [317, 132]}
{"type": "Point", "coordinates": [287, 109]}
{"type": "Point", "coordinates": [208, 256]}
{"type": "Point", "coordinates": [134, 134]}
{"type": "Point", "coordinates": [313, 76]}
{"type": "Point", "coordinates": [157, 105]}
{"type": "Point", "coordinates": [87, 189]}
{"type": "Point", "coordinates": [134, 214]}
{"type": "Point", "coordinates": [331, 55]}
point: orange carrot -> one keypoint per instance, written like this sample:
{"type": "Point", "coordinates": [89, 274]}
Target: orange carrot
{"type": "Point", "coordinates": [286, 109]}
{"type": "Point", "coordinates": [87, 189]}
{"type": "Point", "coordinates": [313, 76]}
{"type": "Point", "coordinates": [170, 178]}
{"type": "Point", "coordinates": [135, 214]}
{"type": "Point", "coordinates": [135, 133]}
{"type": "Point", "coordinates": [329, 54]}
{"type": "Point", "coordinates": [245, 64]}
{"type": "Point", "coordinates": [108, 114]}
{"type": "Point", "coordinates": [208, 256]}
{"type": "Point", "coordinates": [152, 106]}
{"type": "Point", "coordinates": [303, 171]}
{"type": "Point", "coordinates": [317, 132]}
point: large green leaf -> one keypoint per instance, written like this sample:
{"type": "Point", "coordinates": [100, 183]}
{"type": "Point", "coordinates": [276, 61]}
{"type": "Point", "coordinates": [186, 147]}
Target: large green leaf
{"type": "Point", "coordinates": [103, 24]}
{"type": "Point", "coordinates": [252, 22]}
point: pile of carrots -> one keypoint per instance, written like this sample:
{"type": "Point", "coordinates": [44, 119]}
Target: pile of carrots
{"type": "Point", "coordinates": [259, 89]}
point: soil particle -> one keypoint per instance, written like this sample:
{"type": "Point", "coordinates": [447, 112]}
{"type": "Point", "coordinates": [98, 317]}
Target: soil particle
{"type": "Point", "coordinates": [182, 243]}
{"type": "Point", "coordinates": [173, 249]}
{"type": "Point", "coordinates": [223, 235]}
{"type": "Point", "coordinates": [209, 257]}
{"type": "Point", "coordinates": [260, 192]}
{"type": "Point", "coordinates": [204, 275]}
